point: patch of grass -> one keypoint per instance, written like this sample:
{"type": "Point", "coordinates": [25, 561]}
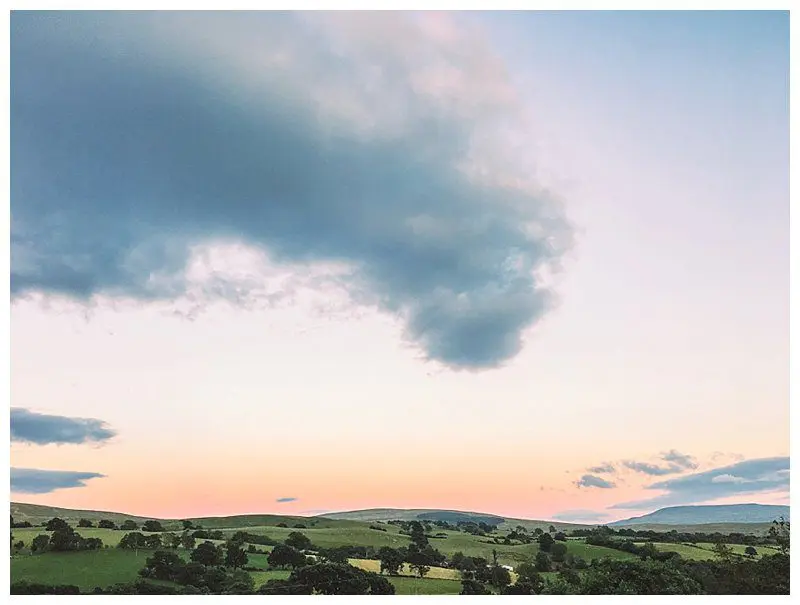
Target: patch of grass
{"type": "Point", "coordinates": [330, 537]}
{"type": "Point", "coordinates": [84, 569]}
{"type": "Point", "coordinates": [262, 577]}
{"type": "Point", "coordinates": [590, 551]}
{"type": "Point", "coordinates": [108, 536]}
{"type": "Point", "coordinates": [419, 586]}
{"type": "Point", "coordinates": [441, 573]}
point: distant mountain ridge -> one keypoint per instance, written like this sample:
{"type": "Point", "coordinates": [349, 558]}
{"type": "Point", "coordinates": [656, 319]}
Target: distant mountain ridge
{"type": "Point", "coordinates": [710, 513]}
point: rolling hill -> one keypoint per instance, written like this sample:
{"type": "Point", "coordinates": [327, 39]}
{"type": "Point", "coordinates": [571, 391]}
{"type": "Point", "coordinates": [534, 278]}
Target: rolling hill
{"type": "Point", "coordinates": [709, 514]}
{"type": "Point", "coordinates": [451, 516]}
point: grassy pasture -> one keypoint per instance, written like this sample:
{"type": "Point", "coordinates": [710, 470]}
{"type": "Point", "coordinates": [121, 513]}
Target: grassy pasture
{"type": "Point", "coordinates": [440, 573]}
{"type": "Point", "coordinates": [428, 586]}
{"type": "Point", "coordinates": [84, 569]}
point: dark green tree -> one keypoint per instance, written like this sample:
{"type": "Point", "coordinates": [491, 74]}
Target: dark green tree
{"type": "Point", "coordinates": [542, 561]}
{"type": "Point", "coordinates": [235, 555]}
{"type": "Point", "coordinates": [188, 541]}
{"type": "Point", "coordinates": [152, 526]}
{"type": "Point", "coordinates": [55, 524]}
{"type": "Point", "coordinates": [64, 539]}
{"type": "Point", "coordinates": [40, 543]}
{"type": "Point", "coordinates": [286, 556]}
{"type": "Point", "coordinates": [85, 523]}
{"type": "Point", "coordinates": [545, 542]}
{"type": "Point", "coordinates": [298, 540]}
{"type": "Point", "coordinates": [162, 565]}
{"type": "Point", "coordinates": [472, 586]}
{"type": "Point", "coordinates": [558, 552]}
{"type": "Point", "coordinates": [207, 554]}
{"type": "Point", "coordinates": [106, 524]}
{"type": "Point", "coordinates": [129, 525]}
{"type": "Point", "coordinates": [391, 560]}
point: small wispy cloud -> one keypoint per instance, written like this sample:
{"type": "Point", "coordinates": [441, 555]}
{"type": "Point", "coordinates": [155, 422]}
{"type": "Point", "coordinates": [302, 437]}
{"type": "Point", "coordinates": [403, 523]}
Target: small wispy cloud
{"type": "Point", "coordinates": [606, 467]}
{"type": "Point", "coordinates": [677, 458]}
{"type": "Point", "coordinates": [286, 499]}
{"type": "Point", "coordinates": [651, 469]}
{"type": "Point", "coordinates": [594, 481]}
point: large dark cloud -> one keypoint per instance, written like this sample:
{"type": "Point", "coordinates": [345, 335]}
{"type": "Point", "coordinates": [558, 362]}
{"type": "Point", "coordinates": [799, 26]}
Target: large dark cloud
{"type": "Point", "coordinates": [747, 477]}
{"type": "Point", "coordinates": [38, 481]}
{"type": "Point", "coordinates": [354, 139]}
{"type": "Point", "coordinates": [593, 481]}
{"type": "Point", "coordinates": [44, 429]}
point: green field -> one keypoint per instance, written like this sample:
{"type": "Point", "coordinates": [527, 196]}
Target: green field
{"type": "Point", "coordinates": [262, 577]}
{"type": "Point", "coordinates": [108, 536]}
{"type": "Point", "coordinates": [419, 586]}
{"type": "Point", "coordinates": [439, 573]}
{"type": "Point", "coordinates": [85, 570]}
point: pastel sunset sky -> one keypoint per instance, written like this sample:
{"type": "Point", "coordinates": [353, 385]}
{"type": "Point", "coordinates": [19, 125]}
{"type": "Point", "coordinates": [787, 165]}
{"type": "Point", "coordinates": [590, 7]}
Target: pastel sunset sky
{"type": "Point", "coordinates": [531, 264]}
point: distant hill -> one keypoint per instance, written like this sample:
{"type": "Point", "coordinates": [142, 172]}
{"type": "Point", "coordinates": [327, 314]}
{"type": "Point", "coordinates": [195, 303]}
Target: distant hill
{"type": "Point", "coordinates": [710, 513]}
{"type": "Point", "coordinates": [451, 516]}
{"type": "Point", "coordinates": [37, 514]}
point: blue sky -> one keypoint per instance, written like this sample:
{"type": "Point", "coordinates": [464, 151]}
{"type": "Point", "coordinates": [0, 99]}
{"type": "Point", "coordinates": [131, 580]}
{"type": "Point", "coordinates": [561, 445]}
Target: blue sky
{"type": "Point", "coordinates": [561, 234]}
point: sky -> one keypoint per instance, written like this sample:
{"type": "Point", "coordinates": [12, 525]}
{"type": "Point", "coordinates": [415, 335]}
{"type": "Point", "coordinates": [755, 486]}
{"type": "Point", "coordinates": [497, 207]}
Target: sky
{"type": "Point", "coordinates": [531, 264]}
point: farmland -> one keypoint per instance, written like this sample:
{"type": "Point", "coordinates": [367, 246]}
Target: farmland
{"type": "Point", "coordinates": [358, 542]}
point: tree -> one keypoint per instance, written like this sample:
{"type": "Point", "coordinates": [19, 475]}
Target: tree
{"type": "Point", "coordinates": [723, 552]}
{"type": "Point", "coordinates": [780, 534]}
{"type": "Point", "coordinates": [187, 524]}
{"type": "Point", "coordinates": [558, 551]}
{"type": "Point", "coordinates": [239, 582]}
{"type": "Point", "coordinates": [286, 556]}
{"type": "Point", "coordinates": [153, 541]}
{"type": "Point", "coordinates": [560, 537]}
{"type": "Point", "coordinates": [418, 560]}
{"type": "Point", "coordinates": [153, 526]}
{"type": "Point", "coordinates": [129, 525]}
{"type": "Point", "coordinates": [538, 531]}
{"type": "Point", "coordinates": [472, 586]}
{"type": "Point", "coordinates": [338, 578]}
{"type": "Point", "coordinates": [391, 560]}
{"type": "Point", "coordinates": [162, 565]}
{"type": "Point", "coordinates": [55, 524]}
{"type": "Point", "coordinates": [191, 574]}
{"type": "Point", "coordinates": [542, 561]}
{"type": "Point", "coordinates": [171, 540]}
{"type": "Point", "coordinates": [85, 523]}
{"type": "Point", "coordinates": [298, 541]}
{"type": "Point", "coordinates": [545, 542]}
{"type": "Point", "coordinates": [750, 551]}
{"type": "Point", "coordinates": [106, 524]}
{"type": "Point", "coordinates": [64, 539]}
{"type": "Point", "coordinates": [188, 540]}
{"type": "Point", "coordinates": [235, 556]}
{"type": "Point", "coordinates": [552, 529]}
{"type": "Point", "coordinates": [132, 541]}
{"type": "Point", "coordinates": [40, 543]}
{"type": "Point", "coordinates": [525, 587]}
{"type": "Point", "coordinates": [417, 532]}
{"type": "Point", "coordinates": [207, 554]}
{"type": "Point", "coordinates": [500, 577]}
{"type": "Point", "coordinates": [527, 571]}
